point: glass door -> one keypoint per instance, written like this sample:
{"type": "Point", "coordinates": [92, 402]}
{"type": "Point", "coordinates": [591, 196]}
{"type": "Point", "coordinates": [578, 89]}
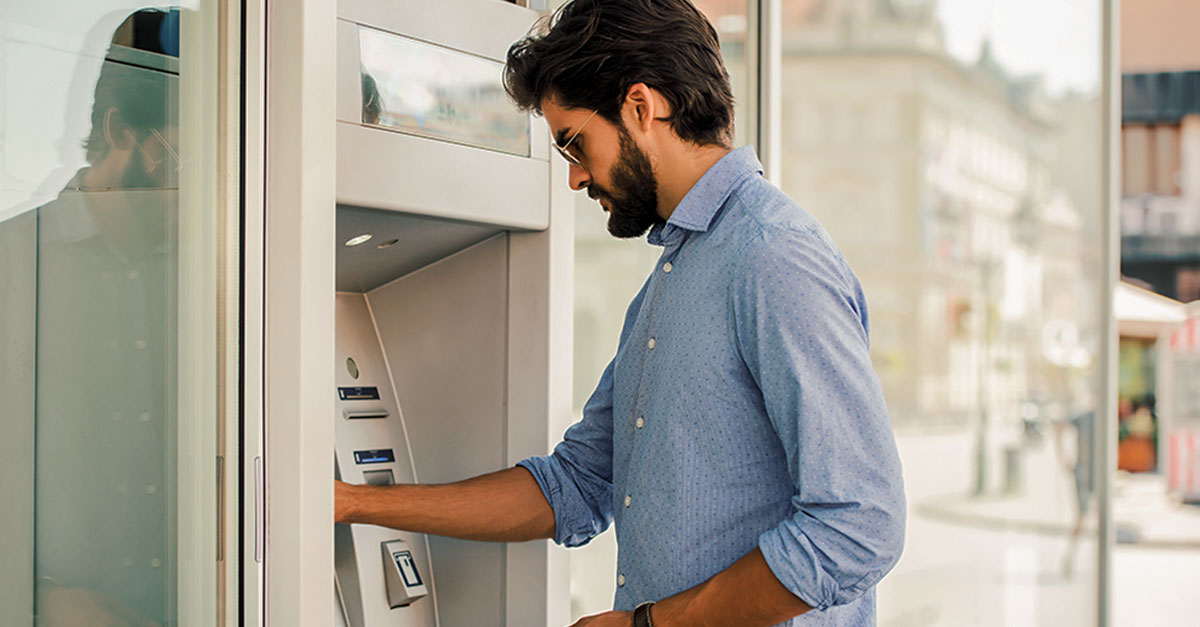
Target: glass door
{"type": "Point", "coordinates": [110, 238]}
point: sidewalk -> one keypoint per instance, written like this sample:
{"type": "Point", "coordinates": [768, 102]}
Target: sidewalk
{"type": "Point", "coordinates": [1144, 513]}
{"type": "Point", "coordinates": [1008, 560]}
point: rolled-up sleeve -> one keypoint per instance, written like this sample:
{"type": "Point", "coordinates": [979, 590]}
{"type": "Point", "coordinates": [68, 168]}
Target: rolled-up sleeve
{"type": "Point", "coordinates": [576, 478]}
{"type": "Point", "coordinates": [802, 330]}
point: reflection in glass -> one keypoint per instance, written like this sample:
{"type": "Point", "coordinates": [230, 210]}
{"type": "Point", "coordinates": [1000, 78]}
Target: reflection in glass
{"type": "Point", "coordinates": [436, 92]}
{"type": "Point", "coordinates": [104, 412]}
{"type": "Point", "coordinates": [108, 482]}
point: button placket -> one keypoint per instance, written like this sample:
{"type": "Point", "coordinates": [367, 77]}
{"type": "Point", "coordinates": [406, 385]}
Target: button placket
{"type": "Point", "coordinates": [652, 343]}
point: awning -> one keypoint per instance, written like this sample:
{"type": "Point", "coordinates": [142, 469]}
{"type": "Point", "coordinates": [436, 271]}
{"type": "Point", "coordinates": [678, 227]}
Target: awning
{"type": "Point", "coordinates": [1142, 313]}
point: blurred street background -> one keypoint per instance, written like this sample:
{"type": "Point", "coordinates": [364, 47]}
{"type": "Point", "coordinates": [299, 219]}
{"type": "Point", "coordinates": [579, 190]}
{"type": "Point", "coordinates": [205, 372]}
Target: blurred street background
{"type": "Point", "coordinates": [954, 149]}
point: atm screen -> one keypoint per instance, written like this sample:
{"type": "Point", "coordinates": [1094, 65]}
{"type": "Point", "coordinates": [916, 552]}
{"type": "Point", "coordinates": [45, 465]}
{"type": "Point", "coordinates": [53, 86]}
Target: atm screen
{"type": "Point", "coordinates": [377, 456]}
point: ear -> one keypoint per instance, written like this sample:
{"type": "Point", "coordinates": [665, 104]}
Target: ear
{"type": "Point", "coordinates": [116, 132]}
{"type": "Point", "coordinates": [641, 107]}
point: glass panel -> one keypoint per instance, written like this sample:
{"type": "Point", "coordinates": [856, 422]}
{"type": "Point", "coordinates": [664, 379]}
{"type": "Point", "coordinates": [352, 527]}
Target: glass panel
{"type": "Point", "coordinates": [107, 226]}
{"type": "Point", "coordinates": [437, 92]}
{"type": "Point", "coordinates": [953, 151]}
{"type": "Point", "coordinates": [731, 18]}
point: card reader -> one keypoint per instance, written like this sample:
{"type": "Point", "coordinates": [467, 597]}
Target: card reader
{"type": "Point", "coordinates": [404, 582]}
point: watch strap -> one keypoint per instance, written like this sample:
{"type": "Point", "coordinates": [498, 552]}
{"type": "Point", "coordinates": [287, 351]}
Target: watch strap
{"type": "Point", "coordinates": [641, 615]}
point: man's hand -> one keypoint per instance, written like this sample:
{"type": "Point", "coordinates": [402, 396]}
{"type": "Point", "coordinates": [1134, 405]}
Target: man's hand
{"type": "Point", "coordinates": [607, 619]}
{"type": "Point", "coordinates": [504, 506]}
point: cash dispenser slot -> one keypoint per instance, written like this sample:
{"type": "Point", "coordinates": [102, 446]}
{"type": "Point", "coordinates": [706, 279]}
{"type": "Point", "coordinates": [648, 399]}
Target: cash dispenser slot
{"type": "Point", "coordinates": [365, 414]}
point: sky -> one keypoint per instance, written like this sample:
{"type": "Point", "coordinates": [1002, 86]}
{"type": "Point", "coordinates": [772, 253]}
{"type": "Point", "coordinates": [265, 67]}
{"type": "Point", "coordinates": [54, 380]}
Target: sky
{"type": "Point", "coordinates": [1058, 39]}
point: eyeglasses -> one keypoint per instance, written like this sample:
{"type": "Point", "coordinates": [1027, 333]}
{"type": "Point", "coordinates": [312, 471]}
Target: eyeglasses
{"type": "Point", "coordinates": [562, 150]}
{"type": "Point", "coordinates": [154, 163]}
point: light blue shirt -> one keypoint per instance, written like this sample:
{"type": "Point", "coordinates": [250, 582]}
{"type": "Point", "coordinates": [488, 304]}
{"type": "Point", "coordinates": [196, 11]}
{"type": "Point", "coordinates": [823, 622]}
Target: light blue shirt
{"type": "Point", "coordinates": [740, 411]}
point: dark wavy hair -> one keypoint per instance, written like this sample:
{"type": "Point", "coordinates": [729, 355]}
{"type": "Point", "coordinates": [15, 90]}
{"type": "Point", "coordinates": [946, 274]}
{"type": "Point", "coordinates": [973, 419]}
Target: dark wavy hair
{"type": "Point", "coordinates": [588, 53]}
{"type": "Point", "coordinates": [140, 94]}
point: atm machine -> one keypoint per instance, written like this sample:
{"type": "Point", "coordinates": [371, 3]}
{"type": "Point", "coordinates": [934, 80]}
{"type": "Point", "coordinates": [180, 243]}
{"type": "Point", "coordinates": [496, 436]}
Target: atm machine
{"type": "Point", "coordinates": [449, 276]}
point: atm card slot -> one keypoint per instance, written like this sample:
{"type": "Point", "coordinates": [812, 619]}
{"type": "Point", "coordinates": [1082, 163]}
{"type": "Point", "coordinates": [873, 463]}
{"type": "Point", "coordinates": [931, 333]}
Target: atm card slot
{"type": "Point", "coordinates": [376, 456]}
{"type": "Point", "coordinates": [358, 393]}
{"type": "Point", "coordinates": [365, 414]}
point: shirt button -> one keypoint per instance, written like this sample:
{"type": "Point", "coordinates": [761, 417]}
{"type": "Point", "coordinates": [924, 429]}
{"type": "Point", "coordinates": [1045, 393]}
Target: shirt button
{"type": "Point", "coordinates": [620, 580]}
{"type": "Point", "coordinates": [628, 500]}
{"type": "Point", "coordinates": [641, 422]}
{"type": "Point", "coordinates": [651, 343]}
{"type": "Point", "coordinates": [667, 267]}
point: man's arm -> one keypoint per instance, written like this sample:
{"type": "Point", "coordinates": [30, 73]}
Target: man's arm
{"type": "Point", "coordinates": [504, 506]}
{"type": "Point", "coordinates": [802, 331]}
{"type": "Point", "coordinates": [746, 594]}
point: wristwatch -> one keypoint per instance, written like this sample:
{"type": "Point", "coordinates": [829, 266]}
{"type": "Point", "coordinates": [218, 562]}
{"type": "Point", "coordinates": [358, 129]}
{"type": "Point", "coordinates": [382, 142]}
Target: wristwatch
{"type": "Point", "coordinates": [641, 615]}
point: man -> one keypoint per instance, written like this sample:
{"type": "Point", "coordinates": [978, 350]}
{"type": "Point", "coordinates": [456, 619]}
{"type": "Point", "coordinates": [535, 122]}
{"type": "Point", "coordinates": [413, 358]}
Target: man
{"type": "Point", "coordinates": [1080, 467]}
{"type": "Point", "coordinates": [739, 438]}
{"type": "Point", "coordinates": [106, 249]}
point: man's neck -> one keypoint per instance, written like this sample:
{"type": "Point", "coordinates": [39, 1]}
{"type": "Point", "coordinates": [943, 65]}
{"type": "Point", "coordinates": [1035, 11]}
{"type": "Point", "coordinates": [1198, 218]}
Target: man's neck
{"type": "Point", "coordinates": [687, 164]}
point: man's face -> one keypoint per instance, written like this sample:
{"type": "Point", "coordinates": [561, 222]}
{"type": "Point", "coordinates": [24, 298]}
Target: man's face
{"type": "Point", "coordinates": [153, 161]}
{"type": "Point", "coordinates": [615, 171]}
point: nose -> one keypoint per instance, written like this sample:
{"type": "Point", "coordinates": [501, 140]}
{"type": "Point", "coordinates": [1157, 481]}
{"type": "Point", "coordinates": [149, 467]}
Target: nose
{"type": "Point", "coordinates": [579, 178]}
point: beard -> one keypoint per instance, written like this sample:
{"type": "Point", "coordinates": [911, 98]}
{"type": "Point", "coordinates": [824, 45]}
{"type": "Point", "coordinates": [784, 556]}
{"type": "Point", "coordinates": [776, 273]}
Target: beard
{"type": "Point", "coordinates": [633, 199]}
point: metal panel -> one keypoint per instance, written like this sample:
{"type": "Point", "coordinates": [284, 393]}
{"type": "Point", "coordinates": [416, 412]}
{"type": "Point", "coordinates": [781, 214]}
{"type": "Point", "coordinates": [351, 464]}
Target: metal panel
{"type": "Point", "coordinates": [540, 316]}
{"type": "Point", "coordinates": [349, 83]}
{"type": "Point", "coordinates": [443, 330]}
{"type": "Point", "coordinates": [409, 243]}
{"type": "Point", "coordinates": [481, 27]}
{"type": "Point", "coordinates": [18, 283]}
{"type": "Point", "coordinates": [250, 597]}
{"type": "Point", "coordinates": [389, 170]}
{"type": "Point", "coordinates": [299, 313]}
{"type": "Point", "coordinates": [367, 604]}
{"type": "Point", "coordinates": [1110, 229]}
{"type": "Point", "coordinates": [769, 121]}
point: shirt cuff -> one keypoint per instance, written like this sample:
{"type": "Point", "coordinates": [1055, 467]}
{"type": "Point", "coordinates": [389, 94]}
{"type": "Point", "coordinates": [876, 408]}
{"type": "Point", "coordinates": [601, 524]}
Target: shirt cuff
{"type": "Point", "coordinates": [792, 559]}
{"type": "Point", "coordinates": [573, 526]}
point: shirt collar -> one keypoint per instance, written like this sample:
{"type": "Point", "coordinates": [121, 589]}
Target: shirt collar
{"type": "Point", "coordinates": [702, 202]}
